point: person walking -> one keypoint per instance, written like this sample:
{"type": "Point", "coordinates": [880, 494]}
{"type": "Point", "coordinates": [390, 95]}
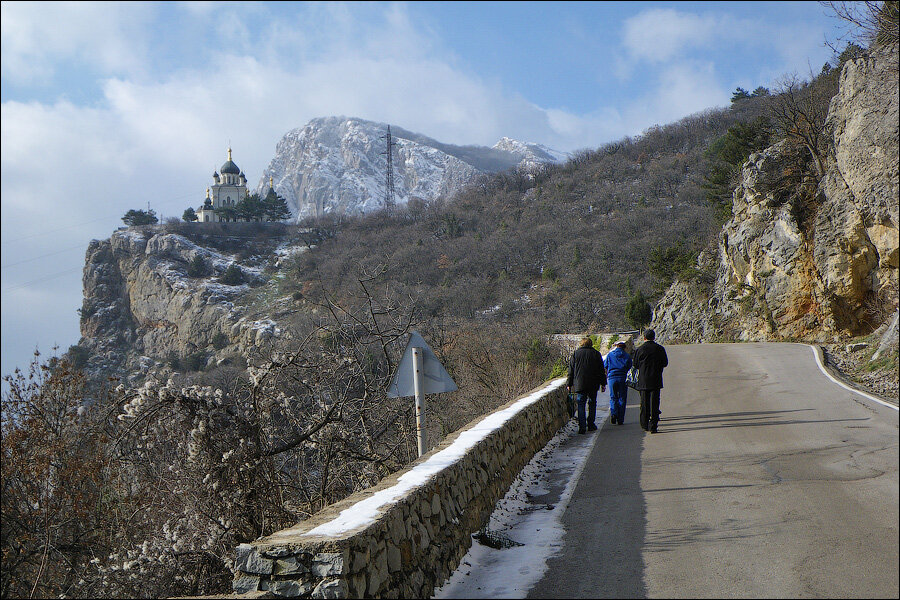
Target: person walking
{"type": "Point", "coordinates": [650, 359]}
{"type": "Point", "coordinates": [586, 375]}
{"type": "Point", "coordinates": [617, 363]}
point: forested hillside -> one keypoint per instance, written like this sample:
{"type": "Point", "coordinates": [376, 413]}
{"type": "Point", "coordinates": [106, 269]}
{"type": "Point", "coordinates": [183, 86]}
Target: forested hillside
{"type": "Point", "coordinates": [565, 247]}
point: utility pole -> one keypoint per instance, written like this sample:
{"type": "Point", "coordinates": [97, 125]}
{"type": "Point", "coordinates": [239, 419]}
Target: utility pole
{"type": "Point", "coordinates": [389, 182]}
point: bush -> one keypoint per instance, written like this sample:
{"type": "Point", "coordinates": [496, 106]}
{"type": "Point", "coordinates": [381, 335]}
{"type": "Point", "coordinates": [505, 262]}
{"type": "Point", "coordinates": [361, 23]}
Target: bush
{"type": "Point", "coordinates": [198, 267]}
{"type": "Point", "coordinates": [560, 368]}
{"type": "Point", "coordinates": [219, 341]}
{"type": "Point", "coordinates": [232, 275]}
{"type": "Point", "coordinates": [195, 361]}
{"type": "Point", "coordinates": [638, 311]}
{"type": "Point", "coordinates": [79, 356]}
{"type": "Point", "coordinates": [538, 353]}
{"type": "Point", "coordinates": [87, 309]}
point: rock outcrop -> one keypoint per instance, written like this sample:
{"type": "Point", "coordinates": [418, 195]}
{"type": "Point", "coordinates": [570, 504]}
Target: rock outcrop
{"type": "Point", "coordinates": [806, 269]}
{"type": "Point", "coordinates": [141, 307]}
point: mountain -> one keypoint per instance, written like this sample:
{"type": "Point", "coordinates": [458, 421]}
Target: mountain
{"type": "Point", "coordinates": [338, 165]}
{"type": "Point", "coordinates": [532, 155]}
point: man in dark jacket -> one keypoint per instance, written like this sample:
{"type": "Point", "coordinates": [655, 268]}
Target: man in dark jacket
{"type": "Point", "coordinates": [650, 359]}
{"type": "Point", "coordinates": [586, 375]}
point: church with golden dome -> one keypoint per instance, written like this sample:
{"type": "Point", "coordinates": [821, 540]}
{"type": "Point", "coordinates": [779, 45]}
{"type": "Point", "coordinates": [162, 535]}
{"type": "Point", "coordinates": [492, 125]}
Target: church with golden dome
{"type": "Point", "coordinates": [228, 189]}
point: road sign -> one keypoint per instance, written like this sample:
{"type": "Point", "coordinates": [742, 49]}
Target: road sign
{"type": "Point", "coordinates": [436, 378]}
{"type": "Point", "coordinates": [419, 373]}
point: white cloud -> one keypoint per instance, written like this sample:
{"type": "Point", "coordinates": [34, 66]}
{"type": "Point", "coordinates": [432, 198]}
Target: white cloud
{"type": "Point", "coordinates": [39, 37]}
{"type": "Point", "coordinates": [660, 35]}
{"type": "Point", "coordinates": [682, 89]}
{"type": "Point", "coordinates": [74, 169]}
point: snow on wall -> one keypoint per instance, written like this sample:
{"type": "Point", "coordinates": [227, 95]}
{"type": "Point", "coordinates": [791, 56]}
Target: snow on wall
{"type": "Point", "coordinates": [405, 536]}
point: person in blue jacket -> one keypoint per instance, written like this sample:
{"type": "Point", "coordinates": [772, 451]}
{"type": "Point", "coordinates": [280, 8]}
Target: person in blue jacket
{"type": "Point", "coordinates": [617, 363]}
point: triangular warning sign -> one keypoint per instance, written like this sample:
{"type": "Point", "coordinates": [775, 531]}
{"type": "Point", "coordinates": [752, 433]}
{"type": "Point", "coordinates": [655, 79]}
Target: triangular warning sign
{"type": "Point", "coordinates": [436, 378]}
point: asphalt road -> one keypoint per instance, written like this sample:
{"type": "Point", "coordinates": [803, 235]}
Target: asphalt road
{"type": "Point", "coordinates": [766, 479]}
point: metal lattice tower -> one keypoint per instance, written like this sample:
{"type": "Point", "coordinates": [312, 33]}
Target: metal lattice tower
{"type": "Point", "coordinates": [389, 182]}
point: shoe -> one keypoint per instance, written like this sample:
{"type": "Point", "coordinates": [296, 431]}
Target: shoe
{"type": "Point", "coordinates": [612, 420]}
{"type": "Point", "coordinates": [581, 431]}
{"type": "Point", "coordinates": [592, 428]}
{"type": "Point", "coordinates": [619, 423]}
{"type": "Point", "coordinates": [653, 431]}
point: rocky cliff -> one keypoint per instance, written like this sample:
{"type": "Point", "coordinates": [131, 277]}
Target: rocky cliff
{"type": "Point", "coordinates": [338, 165]}
{"type": "Point", "coordinates": [154, 296]}
{"type": "Point", "coordinates": [806, 263]}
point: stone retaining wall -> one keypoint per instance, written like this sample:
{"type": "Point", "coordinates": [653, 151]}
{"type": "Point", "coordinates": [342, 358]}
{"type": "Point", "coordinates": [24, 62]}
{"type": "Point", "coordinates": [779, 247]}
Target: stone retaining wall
{"type": "Point", "coordinates": [406, 535]}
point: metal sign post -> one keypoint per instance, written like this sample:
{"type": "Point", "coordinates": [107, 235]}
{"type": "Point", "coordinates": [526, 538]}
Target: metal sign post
{"type": "Point", "coordinates": [419, 388]}
{"type": "Point", "coordinates": [419, 373]}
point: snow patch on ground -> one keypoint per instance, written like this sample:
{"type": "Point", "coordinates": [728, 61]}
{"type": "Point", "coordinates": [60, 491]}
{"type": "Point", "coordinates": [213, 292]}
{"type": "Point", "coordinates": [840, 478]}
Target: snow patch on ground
{"type": "Point", "coordinates": [530, 514]}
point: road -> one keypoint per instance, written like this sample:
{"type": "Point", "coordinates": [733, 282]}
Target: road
{"type": "Point", "coordinates": [766, 479]}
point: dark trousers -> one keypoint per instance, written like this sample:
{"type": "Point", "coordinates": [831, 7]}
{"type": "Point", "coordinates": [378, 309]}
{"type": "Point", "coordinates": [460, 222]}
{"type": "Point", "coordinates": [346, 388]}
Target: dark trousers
{"type": "Point", "coordinates": [585, 421]}
{"type": "Point", "coordinates": [649, 409]}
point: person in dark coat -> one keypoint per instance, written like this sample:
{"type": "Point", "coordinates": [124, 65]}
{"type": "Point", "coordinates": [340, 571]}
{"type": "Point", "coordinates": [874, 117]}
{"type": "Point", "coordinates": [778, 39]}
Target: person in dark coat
{"type": "Point", "coordinates": [617, 363]}
{"type": "Point", "coordinates": [586, 376]}
{"type": "Point", "coordinates": [650, 359]}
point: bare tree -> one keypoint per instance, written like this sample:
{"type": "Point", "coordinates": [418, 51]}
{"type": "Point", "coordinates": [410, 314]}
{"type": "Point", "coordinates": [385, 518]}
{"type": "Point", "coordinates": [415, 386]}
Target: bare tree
{"type": "Point", "coordinates": [872, 23]}
{"type": "Point", "coordinates": [799, 110]}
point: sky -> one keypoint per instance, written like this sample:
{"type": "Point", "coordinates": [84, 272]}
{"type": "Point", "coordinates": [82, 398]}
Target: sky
{"type": "Point", "coordinates": [111, 106]}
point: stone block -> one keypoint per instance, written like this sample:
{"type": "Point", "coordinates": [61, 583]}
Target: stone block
{"type": "Point", "coordinates": [245, 584]}
{"type": "Point", "coordinates": [331, 588]}
{"type": "Point", "coordinates": [360, 560]}
{"type": "Point", "coordinates": [377, 575]}
{"type": "Point", "coordinates": [326, 564]}
{"type": "Point", "coordinates": [357, 585]}
{"type": "Point", "coordinates": [435, 504]}
{"type": "Point", "coordinates": [277, 552]}
{"type": "Point", "coordinates": [394, 558]}
{"type": "Point", "coordinates": [248, 560]}
{"type": "Point", "coordinates": [406, 552]}
{"type": "Point", "coordinates": [397, 528]}
{"type": "Point", "coordinates": [289, 566]}
{"type": "Point", "coordinates": [290, 589]}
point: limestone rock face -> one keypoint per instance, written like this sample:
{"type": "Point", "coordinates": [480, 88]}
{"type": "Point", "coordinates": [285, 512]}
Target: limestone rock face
{"type": "Point", "coordinates": [338, 165]}
{"type": "Point", "coordinates": [140, 306]}
{"type": "Point", "coordinates": [790, 269]}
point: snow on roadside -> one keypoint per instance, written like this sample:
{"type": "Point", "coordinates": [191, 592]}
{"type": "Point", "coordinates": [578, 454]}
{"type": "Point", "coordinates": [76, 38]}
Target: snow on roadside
{"type": "Point", "coordinates": [530, 514]}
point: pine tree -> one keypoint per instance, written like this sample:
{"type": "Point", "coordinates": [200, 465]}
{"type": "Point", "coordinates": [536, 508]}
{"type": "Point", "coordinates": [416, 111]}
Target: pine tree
{"type": "Point", "coordinates": [275, 207]}
{"type": "Point", "coordinates": [638, 311]}
{"type": "Point", "coordinates": [139, 217]}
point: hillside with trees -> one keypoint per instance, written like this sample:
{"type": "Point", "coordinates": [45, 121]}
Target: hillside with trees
{"type": "Point", "coordinates": [141, 484]}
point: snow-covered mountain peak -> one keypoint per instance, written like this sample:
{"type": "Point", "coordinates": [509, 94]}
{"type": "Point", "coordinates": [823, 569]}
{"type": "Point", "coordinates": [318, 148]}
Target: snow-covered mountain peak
{"type": "Point", "coordinates": [339, 165]}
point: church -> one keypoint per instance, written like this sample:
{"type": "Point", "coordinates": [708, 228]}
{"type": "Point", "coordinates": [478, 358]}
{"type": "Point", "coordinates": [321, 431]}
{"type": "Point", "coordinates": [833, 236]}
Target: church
{"type": "Point", "coordinates": [228, 189]}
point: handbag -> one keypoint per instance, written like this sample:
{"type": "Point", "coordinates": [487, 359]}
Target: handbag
{"type": "Point", "coordinates": [570, 404]}
{"type": "Point", "coordinates": [631, 379]}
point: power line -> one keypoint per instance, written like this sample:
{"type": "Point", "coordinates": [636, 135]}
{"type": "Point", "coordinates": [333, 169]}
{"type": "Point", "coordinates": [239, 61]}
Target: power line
{"type": "Point", "coordinates": [28, 283]}
{"type": "Point", "coordinates": [49, 231]}
{"type": "Point", "coordinates": [41, 256]}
